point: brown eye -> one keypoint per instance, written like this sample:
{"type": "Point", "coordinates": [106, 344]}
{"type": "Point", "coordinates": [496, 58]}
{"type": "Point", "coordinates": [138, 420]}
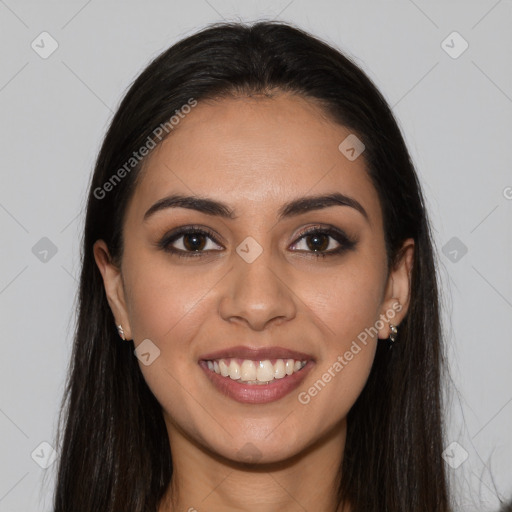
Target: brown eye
{"type": "Point", "coordinates": [317, 242]}
{"type": "Point", "coordinates": [324, 242]}
{"type": "Point", "coordinates": [194, 242]}
{"type": "Point", "coordinates": [189, 241]}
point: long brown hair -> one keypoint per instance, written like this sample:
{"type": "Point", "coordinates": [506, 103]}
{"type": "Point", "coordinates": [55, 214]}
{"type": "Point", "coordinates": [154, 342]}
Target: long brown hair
{"type": "Point", "coordinates": [115, 454]}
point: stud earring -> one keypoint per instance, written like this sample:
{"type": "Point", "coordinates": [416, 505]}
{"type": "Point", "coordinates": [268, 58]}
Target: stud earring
{"type": "Point", "coordinates": [393, 334]}
{"type": "Point", "coordinates": [121, 332]}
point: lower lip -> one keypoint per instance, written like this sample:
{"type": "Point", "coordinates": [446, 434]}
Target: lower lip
{"type": "Point", "coordinates": [257, 393]}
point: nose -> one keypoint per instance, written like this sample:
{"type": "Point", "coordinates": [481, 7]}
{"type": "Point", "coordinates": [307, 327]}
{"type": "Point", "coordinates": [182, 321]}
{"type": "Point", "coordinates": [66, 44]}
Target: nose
{"type": "Point", "coordinates": [257, 294]}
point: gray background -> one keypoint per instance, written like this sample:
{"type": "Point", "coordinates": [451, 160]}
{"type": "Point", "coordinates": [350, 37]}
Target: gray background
{"type": "Point", "coordinates": [456, 117]}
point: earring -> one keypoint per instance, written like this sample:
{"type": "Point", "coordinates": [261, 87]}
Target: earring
{"type": "Point", "coordinates": [121, 332]}
{"type": "Point", "coordinates": [393, 334]}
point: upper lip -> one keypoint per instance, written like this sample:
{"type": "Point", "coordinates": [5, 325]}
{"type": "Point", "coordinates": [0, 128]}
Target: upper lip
{"type": "Point", "coordinates": [256, 354]}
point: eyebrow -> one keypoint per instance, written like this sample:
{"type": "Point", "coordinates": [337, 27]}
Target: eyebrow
{"type": "Point", "coordinates": [291, 209]}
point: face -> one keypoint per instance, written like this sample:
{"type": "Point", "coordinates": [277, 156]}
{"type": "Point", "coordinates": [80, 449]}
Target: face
{"type": "Point", "coordinates": [255, 278]}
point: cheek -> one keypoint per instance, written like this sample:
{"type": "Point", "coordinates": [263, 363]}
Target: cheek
{"type": "Point", "coordinates": [348, 301]}
{"type": "Point", "coordinates": [339, 380]}
{"type": "Point", "coordinates": [168, 306]}
{"type": "Point", "coordinates": [163, 301]}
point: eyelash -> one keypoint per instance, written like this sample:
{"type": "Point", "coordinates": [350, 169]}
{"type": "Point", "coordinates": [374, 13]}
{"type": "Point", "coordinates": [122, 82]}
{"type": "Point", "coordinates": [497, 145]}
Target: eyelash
{"type": "Point", "coordinates": [345, 242]}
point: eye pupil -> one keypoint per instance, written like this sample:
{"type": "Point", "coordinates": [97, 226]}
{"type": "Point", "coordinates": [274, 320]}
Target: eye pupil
{"type": "Point", "coordinates": [194, 241]}
{"type": "Point", "coordinates": [320, 242]}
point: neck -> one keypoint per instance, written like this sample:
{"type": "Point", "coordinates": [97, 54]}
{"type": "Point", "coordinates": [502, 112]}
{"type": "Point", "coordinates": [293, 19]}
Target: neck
{"type": "Point", "coordinates": [203, 480]}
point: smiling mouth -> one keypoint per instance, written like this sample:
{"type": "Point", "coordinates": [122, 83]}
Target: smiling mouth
{"type": "Point", "coordinates": [255, 372]}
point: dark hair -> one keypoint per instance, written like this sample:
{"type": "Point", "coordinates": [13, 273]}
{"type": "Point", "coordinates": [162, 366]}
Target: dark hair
{"type": "Point", "coordinates": [115, 454]}
{"type": "Point", "coordinates": [506, 507]}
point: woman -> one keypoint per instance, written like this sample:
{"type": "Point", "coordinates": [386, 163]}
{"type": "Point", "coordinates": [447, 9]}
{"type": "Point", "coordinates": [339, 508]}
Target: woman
{"type": "Point", "coordinates": [258, 323]}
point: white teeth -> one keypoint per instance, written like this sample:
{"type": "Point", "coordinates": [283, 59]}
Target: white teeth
{"type": "Point", "coordinates": [234, 370]}
{"type": "Point", "coordinates": [279, 369]}
{"type": "Point", "coordinates": [248, 370]}
{"type": "Point", "coordinates": [255, 372]}
{"type": "Point", "coordinates": [224, 370]}
{"type": "Point", "coordinates": [265, 371]}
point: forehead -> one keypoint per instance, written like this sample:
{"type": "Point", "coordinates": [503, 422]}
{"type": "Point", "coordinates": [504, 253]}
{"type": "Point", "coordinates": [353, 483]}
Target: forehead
{"type": "Point", "coordinates": [254, 152]}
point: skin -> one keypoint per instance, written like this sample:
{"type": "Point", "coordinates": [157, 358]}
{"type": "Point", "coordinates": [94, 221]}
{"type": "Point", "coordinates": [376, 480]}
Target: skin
{"type": "Point", "coordinates": [255, 154]}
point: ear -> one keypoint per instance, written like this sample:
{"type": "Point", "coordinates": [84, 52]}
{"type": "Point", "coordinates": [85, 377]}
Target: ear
{"type": "Point", "coordinates": [398, 289]}
{"type": "Point", "coordinates": [114, 288]}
